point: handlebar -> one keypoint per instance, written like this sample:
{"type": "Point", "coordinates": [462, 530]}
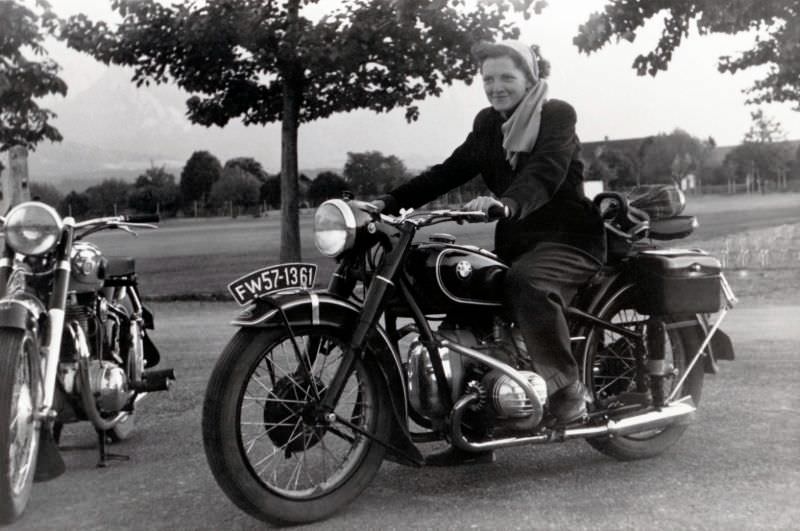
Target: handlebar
{"type": "Point", "coordinates": [433, 217]}
{"type": "Point", "coordinates": [141, 218]}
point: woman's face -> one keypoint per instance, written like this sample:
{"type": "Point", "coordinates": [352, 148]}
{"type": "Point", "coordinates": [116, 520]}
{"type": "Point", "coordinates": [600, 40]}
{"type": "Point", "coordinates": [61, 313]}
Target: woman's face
{"type": "Point", "coordinates": [505, 84]}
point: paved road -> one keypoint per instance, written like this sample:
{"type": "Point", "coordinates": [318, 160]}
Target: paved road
{"type": "Point", "coordinates": [738, 467]}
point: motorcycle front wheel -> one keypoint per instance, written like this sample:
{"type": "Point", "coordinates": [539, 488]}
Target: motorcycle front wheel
{"type": "Point", "coordinates": [610, 371]}
{"type": "Point", "coordinates": [20, 395]}
{"type": "Point", "coordinates": [266, 445]}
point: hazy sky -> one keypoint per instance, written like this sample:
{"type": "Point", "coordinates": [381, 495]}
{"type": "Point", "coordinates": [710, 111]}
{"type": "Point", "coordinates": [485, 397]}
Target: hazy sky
{"type": "Point", "coordinates": [611, 100]}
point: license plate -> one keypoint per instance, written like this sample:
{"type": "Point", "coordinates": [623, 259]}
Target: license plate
{"type": "Point", "coordinates": [271, 280]}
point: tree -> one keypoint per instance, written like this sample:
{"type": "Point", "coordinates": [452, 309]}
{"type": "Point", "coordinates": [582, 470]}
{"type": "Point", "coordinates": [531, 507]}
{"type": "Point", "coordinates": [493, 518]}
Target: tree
{"type": "Point", "coordinates": [326, 186]}
{"type": "Point", "coordinates": [671, 157]}
{"type": "Point", "coordinates": [108, 198]}
{"type": "Point", "coordinates": [23, 80]}
{"type": "Point", "coordinates": [764, 129]}
{"type": "Point", "coordinates": [236, 187]}
{"type": "Point", "coordinates": [202, 170]}
{"type": "Point", "coordinates": [74, 204]}
{"type": "Point", "coordinates": [267, 61]}
{"type": "Point", "coordinates": [270, 191]}
{"type": "Point", "coordinates": [46, 193]}
{"type": "Point", "coordinates": [154, 191]}
{"type": "Point", "coordinates": [760, 158]}
{"type": "Point", "coordinates": [615, 168]}
{"type": "Point", "coordinates": [775, 52]}
{"type": "Point", "coordinates": [371, 173]}
{"type": "Point", "coordinates": [249, 165]}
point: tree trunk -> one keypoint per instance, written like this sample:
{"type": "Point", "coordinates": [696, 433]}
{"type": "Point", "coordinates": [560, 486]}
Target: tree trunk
{"type": "Point", "coordinates": [292, 98]}
{"type": "Point", "coordinates": [15, 189]}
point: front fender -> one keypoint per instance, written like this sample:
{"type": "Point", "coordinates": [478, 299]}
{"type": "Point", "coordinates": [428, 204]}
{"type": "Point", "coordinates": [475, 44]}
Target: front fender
{"type": "Point", "coordinates": [20, 311]}
{"type": "Point", "coordinates": [322, 308]}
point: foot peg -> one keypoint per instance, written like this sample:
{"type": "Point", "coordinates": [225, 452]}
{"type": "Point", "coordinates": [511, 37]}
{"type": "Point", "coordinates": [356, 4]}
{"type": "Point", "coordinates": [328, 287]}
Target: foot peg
{"type": "Point", "coordinates": [155, 380]}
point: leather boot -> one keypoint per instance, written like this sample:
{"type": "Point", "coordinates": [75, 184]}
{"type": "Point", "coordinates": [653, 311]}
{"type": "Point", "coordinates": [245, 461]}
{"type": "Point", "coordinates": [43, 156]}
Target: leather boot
{"type": "Point", "coordinates": [452, 456]}
{"type": "Point", "coordinates": [568, 404]}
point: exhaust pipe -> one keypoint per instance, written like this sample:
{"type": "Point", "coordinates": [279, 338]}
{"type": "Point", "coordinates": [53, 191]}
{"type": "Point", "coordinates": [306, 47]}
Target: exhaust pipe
{"type": "Point", "coordinates": [680, 411]}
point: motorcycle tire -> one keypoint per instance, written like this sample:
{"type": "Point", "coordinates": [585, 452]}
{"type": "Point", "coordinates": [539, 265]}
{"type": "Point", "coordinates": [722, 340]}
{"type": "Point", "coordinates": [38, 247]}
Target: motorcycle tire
{"type": "Point", "coordinates": [263, 445]}
{"type": "Point", "coordinates": [608, 363]}
{"type": "Point", "coordinates": [20, 396]}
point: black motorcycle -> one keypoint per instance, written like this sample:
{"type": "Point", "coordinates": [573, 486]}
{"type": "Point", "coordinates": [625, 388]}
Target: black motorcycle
{"type": "Point", "coordinates": [312, 392]}
{"type": "Point", "coordinates": [73, 343]}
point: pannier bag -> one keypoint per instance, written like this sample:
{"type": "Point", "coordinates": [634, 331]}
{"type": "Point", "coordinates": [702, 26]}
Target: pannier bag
{"type": "Point", "coordinates": [677, 281]}
{"type": "Point", "coordinates": [659, 201]}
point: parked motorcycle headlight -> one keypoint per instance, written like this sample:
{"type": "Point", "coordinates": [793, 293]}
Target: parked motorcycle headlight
{"type": "Point", "coordinates": [32, 228]}
{"type": "Point", "coordinates": [334, 227]}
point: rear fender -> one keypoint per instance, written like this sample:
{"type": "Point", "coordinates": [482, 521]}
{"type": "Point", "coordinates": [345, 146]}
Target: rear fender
{"type": "Point", "coordinates": [322, 308]}
{"type": "Point", "coordinates": [608, 282]}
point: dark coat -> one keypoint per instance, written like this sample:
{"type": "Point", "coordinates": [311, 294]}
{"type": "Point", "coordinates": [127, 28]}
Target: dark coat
{"type": "Point", "coordinates": [544, 193]}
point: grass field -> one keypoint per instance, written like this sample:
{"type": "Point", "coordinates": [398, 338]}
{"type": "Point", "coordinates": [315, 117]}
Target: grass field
{"type": "Point", "coordinates": [197, 258]}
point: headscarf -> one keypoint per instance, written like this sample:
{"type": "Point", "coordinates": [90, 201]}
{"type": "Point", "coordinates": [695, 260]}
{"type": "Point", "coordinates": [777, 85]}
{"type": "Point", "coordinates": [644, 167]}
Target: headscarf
{"type": "Point", "coordinates": [521, 129]}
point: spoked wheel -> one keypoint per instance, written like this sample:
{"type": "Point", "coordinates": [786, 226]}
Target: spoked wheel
{"type": "Point", "coordinates": [614, 375]}
{"type": "Point", "coordinates": [270, 447]}
{"type": "Point", "coordinates": [20, 394]}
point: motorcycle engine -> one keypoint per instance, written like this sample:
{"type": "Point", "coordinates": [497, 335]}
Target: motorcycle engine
{"type": "Point", "coordinates": [109, 384]}
{"type": "Point", "coordinates": [504, 399]}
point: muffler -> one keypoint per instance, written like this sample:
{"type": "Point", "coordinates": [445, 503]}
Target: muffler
{"type": "Point", "coordinates": [681, 411]}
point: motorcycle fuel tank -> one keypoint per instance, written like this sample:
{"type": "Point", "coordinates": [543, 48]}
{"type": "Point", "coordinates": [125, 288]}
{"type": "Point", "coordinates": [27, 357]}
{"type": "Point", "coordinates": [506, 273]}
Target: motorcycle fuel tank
{"type": "Point", "coordinates": [445, 277]}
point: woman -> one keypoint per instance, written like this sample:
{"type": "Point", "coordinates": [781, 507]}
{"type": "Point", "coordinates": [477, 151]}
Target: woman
{"type": "Point", "coordinates": [525, 148]}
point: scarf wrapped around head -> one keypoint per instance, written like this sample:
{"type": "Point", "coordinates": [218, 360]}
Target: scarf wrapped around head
{"type": "Point", "coordinates": [521, 129]}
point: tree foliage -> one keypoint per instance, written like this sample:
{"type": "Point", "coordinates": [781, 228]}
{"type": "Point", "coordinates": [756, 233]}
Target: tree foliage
{"type": "Point", "coordinates": [669, 157]}
{"type": "Point", "coordinates": [199, 174]}
{"type": "Point", "coordinates": [75, 204]}
{"type": "Point", "coordinates": [371, 173]}
{"type": "Point", "coordinates": [273, 61]}
{"type": "Point", "coordinates": [249, 165]}
{"type": "Point", "coordinates": [154, 191]}
{"type": "Point", "coordinates": [24, 79]}
{"type": "Point", "coordinates": [764, 129]}
{"type": "Point", "coordinates": [777, 23]}
{"type": "Point", "coordinates": [108, 197]}
{"type": "Point", "coordinates": [46, 193]}
{"type": "Point", "coordinates": [236, 187]}
{"type": "Point", "coordinates": [327, 185]}
{"type": "Point", "coordinates": [616, 168]}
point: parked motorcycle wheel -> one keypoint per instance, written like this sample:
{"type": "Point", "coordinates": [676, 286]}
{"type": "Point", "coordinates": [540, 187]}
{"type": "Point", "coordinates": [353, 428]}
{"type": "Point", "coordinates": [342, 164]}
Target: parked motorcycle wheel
{"type": "Point", "coordinates": [266, 449]}
{"type": "Point", "coordinates": [20, 395]}
{"type": "Point", "coordinates": [609, 369]}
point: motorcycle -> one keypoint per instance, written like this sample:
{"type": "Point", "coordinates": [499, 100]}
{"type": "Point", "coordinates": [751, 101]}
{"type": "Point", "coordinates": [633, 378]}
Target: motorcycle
{"type": "Point", "coordinates": [311, 393]}
{"type": "Point", "coordinates": [73, 344]}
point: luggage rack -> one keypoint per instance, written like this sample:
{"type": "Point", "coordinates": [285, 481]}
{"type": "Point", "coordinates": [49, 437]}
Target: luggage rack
{"type": "Point", "coordinates": [730, 301]}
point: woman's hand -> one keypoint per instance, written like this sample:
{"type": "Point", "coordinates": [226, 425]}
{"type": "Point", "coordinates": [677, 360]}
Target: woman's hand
{"type": "Point", "coordinates": [484, 203]}
{"type": "Point", "coordinates": [378, 205]}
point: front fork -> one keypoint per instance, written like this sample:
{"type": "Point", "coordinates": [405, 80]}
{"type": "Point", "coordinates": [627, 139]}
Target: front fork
{"type": "Point", "coordinates": [58, 300]}
{"type": "Point", "coordinates": [374, 302]}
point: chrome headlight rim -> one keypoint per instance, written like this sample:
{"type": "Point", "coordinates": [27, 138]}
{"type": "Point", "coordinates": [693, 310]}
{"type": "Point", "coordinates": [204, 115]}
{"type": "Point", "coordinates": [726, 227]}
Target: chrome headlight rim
{"type": "Point", "coordinates": [48, 240]}
{"type": "Point", "coordinates": [350, 227]}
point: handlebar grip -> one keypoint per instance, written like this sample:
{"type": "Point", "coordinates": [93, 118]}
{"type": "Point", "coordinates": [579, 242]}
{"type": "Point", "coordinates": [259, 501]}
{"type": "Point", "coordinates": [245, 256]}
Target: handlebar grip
{"type": "Point", "coordinates": [496, 212]}
{"type": "Point", "coordinates": [142, 218]}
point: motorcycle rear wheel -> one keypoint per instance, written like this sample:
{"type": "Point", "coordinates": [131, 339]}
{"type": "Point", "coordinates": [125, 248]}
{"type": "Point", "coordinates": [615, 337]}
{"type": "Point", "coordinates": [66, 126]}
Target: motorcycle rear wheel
{"type": "Point", "coordinates": [609, 370]}
{"type": "Point", "coordinates": [20, 396]}
{"type": "Point", "coordinates": [266, 449]}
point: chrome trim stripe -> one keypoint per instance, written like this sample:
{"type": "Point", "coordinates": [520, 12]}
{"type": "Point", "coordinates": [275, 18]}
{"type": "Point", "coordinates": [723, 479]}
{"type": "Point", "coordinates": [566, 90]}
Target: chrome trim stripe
{"type": "Point", "coordinates": [64, 265]}
{"type": "Point", "coordinates": [314, 308]}
{"type": "Point", "coordinates": [385, 280]}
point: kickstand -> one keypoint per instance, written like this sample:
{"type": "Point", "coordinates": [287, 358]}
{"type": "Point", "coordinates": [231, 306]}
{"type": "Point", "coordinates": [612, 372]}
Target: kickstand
{"type": "Point", "coordinates": [102, 439]}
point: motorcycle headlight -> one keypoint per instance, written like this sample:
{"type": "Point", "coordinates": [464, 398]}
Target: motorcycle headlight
{"type": "Point", "coordinates": [32, 228]}
{"type": "Point", "coordinates": [334, 227]}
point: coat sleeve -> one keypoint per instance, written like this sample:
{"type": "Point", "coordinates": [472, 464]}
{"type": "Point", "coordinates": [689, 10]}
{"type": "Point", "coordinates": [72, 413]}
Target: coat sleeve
{"type": "Point", "coordinates": [544, 170]}
{"type": "Point", "coordinates": [461, 166]}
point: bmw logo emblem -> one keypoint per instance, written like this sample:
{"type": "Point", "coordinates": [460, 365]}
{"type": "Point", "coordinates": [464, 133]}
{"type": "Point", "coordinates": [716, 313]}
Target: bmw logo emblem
{"type": "Point", "coordinates": [463, 269]}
